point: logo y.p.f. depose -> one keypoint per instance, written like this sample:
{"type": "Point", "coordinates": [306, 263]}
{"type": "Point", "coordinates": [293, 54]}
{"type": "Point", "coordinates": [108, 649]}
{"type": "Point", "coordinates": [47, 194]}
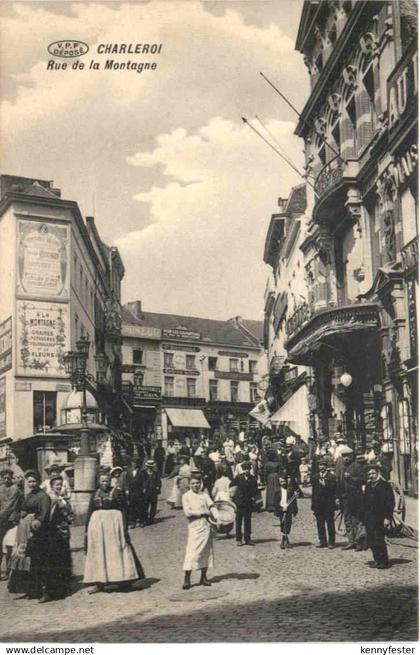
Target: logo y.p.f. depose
{"type": "Point", "coordinates": [68, 48]}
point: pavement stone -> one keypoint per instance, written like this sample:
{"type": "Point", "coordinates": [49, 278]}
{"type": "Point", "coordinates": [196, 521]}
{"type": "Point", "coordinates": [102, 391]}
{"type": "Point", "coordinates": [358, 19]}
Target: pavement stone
{"type": "Point", "coordinates": [259, 593]}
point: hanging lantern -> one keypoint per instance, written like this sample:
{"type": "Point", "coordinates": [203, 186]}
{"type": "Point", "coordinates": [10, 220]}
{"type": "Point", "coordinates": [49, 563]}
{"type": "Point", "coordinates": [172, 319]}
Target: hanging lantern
{"type": "Point", "coordinates": [346, 379]}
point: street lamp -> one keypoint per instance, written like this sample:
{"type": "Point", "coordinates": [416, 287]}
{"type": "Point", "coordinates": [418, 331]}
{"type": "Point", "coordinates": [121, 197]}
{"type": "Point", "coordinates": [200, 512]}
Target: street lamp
{"type": "Point", "coordinates": [75, 364]}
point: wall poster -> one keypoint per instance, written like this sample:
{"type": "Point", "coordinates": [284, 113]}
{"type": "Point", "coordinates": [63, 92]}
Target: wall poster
{"type": "Point", "coordinates": [42, 338]}
{"type": "Point", "coordinates": [43, 259]}
{"type": "Point", "coordinates": [3, 432]}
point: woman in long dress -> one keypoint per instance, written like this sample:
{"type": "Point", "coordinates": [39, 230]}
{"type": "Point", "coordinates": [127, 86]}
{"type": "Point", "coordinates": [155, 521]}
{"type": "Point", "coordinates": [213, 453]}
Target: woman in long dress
{"type": "Point", "coordinates": [181, 485]}
{"type": "Point", "coordinates": [110, 555]}
{"type": "Point", "coordinates": [29, 560]}
{"type": "Point", "coordinates": [198, 507]}
{"type": "Point", "coordinates": [59, 555]}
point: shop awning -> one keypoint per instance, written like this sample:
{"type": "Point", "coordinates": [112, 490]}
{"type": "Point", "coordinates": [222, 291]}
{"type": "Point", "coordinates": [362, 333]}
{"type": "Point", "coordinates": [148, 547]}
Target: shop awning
{"type": "Point", "coordinates": [187, 418]}
{"type": "Point", "coordinates": [294, 412]}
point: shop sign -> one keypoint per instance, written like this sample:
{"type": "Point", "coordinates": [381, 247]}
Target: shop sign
{"type": "Point", "coordinates": [6, 345]}
{"type": "Point", "coordinates": [42, 260]}
{"type": "Point", "coordinates": [231, 353]}
{"type": "Point", "coordinates": [186, 349]}
{"type": "Point", "coordinates": [402, 90]}
{"type": "Point", "coordinates": [141, 331]}
{"type": "Point", "coordinates": [180, 332]}
{"type": "Point", "coordinates": [137, 369]}
{"type": "Point", "coordinates": [42, 338]}
{"type": "Point", "coordinates": [147, 393]}
{"type": "Point", "coordinates": [179, 371]}
{"type": "Point", "coordinates": [234, 375]}
{"type": "Point", "coordinates": [405, 164]}
{"type": "Point", "coordinates": [3, 408]}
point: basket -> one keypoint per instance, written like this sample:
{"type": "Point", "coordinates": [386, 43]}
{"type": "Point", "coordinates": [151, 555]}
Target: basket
{"type": "Point", "coordinates": [226, 512]}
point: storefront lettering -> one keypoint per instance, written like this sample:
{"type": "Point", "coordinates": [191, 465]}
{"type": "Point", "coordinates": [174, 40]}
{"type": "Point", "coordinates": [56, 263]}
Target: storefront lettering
{"type": "Point", "coordinates": [402, 88]}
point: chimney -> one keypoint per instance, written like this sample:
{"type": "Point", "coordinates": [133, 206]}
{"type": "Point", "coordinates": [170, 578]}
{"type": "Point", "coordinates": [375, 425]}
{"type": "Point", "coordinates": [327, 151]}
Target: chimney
{"type": "Point", "coordinates": [282, 202]}
{"type": "Point", "coordinates": [135, 308]}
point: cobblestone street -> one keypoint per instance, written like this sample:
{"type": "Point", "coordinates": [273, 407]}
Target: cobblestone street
{"type": "Point", "coordinates": [258, 593]}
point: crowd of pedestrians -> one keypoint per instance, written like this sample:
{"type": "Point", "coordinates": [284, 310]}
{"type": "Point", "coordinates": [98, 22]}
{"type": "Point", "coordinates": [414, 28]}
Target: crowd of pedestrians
{"type": "Point", "coordinates": [245, 474]}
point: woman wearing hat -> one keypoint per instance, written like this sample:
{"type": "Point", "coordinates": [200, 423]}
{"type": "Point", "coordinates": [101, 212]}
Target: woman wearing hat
{"type": "Point", "coordinates": [29, 561]}
{"type": "Point", "coordinates": [110, 557]}
{"type": "Point", "coordinates": [52, 471]}
{"type": "Point", "coordinates": [198, 508]}
{"type": "Point", "coordinates": [59, 555]}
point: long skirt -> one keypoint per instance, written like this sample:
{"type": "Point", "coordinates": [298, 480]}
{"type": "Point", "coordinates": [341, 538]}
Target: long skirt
{"type": "Point", "coordinates": [272, 486]}
{"type": "Point", "coordinates": [170, 464]}
{"type": "Point", "coordinates": [59, 564]}
{"type": "Point", "coordinates": [29, 560]}
{"type": "Point", "coordinates": [110, 555]}
{"type": "Point", "coordinates": [175, 497]}
{"type": "Point", "coordinates": [199, 551]}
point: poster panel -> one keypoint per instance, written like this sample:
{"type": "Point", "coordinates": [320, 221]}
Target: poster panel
{"type": "Point", "coordinates": [43, 260]}
{"type": "Point", "coordinates": [6, 345]}
{"type": "Point", "coordinates": [3, 433]}
{"type": "Point", "coordinates": [42, 338]}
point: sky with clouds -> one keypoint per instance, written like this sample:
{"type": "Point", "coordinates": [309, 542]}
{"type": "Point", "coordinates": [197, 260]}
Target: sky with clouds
{"type": "Point", "coordinates": [162, 158]}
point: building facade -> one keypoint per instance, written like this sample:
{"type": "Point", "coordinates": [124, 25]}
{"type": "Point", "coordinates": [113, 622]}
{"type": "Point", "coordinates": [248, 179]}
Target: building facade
{"type": "Point", "coordinates": [357, 327]}
{"type": "Point", "coordinates": [185, 375]}
{"type": "Point", "coordinates": [289, 385]}
{"type": "Point", "coordinates": [58, 282]}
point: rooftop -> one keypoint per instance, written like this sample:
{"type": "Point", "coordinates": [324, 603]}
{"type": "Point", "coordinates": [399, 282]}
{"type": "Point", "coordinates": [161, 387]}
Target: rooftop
{"type": "Point", "coordinates": [210, 331]}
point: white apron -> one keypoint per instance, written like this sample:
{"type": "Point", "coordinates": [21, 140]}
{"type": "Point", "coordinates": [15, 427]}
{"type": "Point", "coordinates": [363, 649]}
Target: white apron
{"type": "Point", "coordinates": [109, 557]}
{"type": "Point", "coordinates": [199, 551]}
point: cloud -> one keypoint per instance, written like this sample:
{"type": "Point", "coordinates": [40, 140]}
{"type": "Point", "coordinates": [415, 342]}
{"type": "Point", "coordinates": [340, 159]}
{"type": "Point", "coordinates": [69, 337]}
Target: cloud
{"type": "Point", "coordinates": [204, 248]}
{"type": "Point", "coordinates": [147, 149]}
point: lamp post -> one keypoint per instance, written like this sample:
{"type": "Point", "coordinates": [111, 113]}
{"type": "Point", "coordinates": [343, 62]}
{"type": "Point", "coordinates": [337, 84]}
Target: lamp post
{"type": "Point", "coordinates": [75, 363]}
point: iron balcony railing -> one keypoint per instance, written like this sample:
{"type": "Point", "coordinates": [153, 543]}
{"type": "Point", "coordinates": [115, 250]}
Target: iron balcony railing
{"type": "Point", "coordinates": [410, 256]}
{"type": "Point", "coordinates": [329, 176]}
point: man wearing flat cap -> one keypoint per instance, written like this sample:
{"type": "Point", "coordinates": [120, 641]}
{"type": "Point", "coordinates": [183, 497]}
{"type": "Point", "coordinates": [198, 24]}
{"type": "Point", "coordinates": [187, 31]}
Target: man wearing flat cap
{"type": "Point", "coordinates": [149, 486]}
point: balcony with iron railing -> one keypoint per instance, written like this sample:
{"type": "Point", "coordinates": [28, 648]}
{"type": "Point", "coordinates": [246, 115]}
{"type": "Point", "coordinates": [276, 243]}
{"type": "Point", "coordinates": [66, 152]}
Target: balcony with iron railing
{"type": "Point", "coordinates": [307, 329]}
{"type": "Point", "coordinates": [331, 185]}
{"type": "Point", "coordinates": [410, 256]}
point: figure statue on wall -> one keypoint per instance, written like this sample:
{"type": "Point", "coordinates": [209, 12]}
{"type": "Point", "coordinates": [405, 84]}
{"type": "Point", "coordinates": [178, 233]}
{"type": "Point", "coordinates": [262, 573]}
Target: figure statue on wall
{"type": "Point", "coordinates": [389, 233]}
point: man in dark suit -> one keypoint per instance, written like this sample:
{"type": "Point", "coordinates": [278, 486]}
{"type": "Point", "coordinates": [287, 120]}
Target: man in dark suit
{"type": "Point", "coordinates": [159, 457]}
{"type": "Point", "coordinates": [379, 505]}
{"type": "Point", "coordinates": [324, 494]}
{"type": "Point", "coordinates": [246, 492]}
{"type": "Point", "coordinates": [149, 486]}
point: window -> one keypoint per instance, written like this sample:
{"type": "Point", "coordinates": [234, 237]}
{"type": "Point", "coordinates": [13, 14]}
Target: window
{"type": "Point", "coordinates": [252, 366]}
{"type": "Point", "coordinates": [138, 379]}
{"type": "Point", "coordinates": [86, 291]}
{"type": "Point", "coordinates": [369, 84]}
{"type": "Point", "coordinates": [169, 386]}
{"type": "Point", "coordinates": [234, 391]}
{"type": "Point", "coordinates": [386, 417]}
{"type": "Point", "coordinates": [191, 387]}
{"type": "Point", "coordinates": [45, 410]}
{"type": "Point", "coordinates": [168, 360]}
{"type": "Point", "coordinates": [76, 327]}
{"type": "Point", "coordinates": [190, 359]}
{"type": "Point", "coordinates": [81, 280]}
{"type": "Point", "coordinates": [212, 363]}
{"type": "Point", "coordinates": [137, 357]}
{"type": "Point", "coordinates": [233, 365]}
{"type": "Point", "coordinates": [404, 416]}
{"type": "Point", "coordinates": [213, 389]}
{"type": "Point", "coordinates": [253, 392]}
